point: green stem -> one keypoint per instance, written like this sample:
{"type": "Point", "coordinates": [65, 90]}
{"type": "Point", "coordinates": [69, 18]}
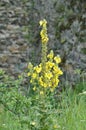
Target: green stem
{"type": "Point", "coordinates": [44, 57]}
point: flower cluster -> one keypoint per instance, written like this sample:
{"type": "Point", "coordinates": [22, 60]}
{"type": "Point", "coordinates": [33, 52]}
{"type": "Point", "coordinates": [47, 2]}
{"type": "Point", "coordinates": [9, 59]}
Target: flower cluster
{"type": "Point", "coordinates": [43, 33]}
{"type": "Point", "coordinates": [45, 74]}
{"type": "Point", "coordinates": [48, 79]}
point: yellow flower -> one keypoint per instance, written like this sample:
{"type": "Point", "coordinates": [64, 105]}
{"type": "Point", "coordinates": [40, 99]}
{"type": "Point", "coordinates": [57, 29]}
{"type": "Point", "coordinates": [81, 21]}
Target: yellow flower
{"type": "Point", "coordinates": [38, 69]}
{"type": "Point", "coordinates": [48, 75]}
{"type": "Point", "coordinates": [49, 83]}
{"type": "Point", "coordinates": [49, 64]}
{"type": "Point", "coordinates": [57, 59]}
{"type": "Point", "coordinates": [34, 75]}
{"type": "Point", "coordinates": [60, 72]}
{"type": "Point", "coordinates": [42, 83]}
{"type": "Point", "coordinates": [41, 92]}
{"type": "Point", "coordinates": [51, 89]}
{"type": "Point", "coordinates": [51, 55]}
{"type": "Point", "coordinates": [34, 88]}
{"type": "Point", "coordinates": [56, 126]}
{"type": "Point", "coordinates": [43, 33]}
{"type": "Point", "coordinates": [45, 85]}
{"type": "Point", "coordinates": [55, 68]}
{"type": "Point", "coordinates": [42, 22]}
{"type": "Point", "coordinates": [30, 65]}
{"type": "Point", "coordinates": [45, 40]}
{"type": "Point", "coordinates": [55, 82]}
{"type": "Point", "coordinates": [31, 81]}
{"type": "Point", "coordinates": [28, 73]}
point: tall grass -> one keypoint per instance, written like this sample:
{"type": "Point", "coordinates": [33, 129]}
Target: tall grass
{"type": "Point", "coordinates": [71, 113]}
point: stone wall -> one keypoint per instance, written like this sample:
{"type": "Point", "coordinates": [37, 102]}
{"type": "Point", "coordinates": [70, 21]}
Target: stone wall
{"type": "Point", "coordinates": [14, 48]}
{"type": "Point", "coordinates": [15, 19]}
{"type": "Point", "coordinates": [20, 40]}
{"type": "Point", "coordinates": [66, 29]}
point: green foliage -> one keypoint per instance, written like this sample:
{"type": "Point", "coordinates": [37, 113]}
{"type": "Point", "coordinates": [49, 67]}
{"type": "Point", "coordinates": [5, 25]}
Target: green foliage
{"type": "Point", "coordinates": [68, 114]}
{"type": "Point", "coordinates": [35, 110]}
{"type": "Point", "coordinates": [32, 111]}
{"type": "Point", "coordinates": [73, 116]}
{"type": "Point", "coordinates": [80, 87]}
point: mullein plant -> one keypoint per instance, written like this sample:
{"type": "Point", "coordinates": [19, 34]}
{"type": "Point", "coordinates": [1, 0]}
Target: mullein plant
{"type": "Point", "coordinates": [45, 76]}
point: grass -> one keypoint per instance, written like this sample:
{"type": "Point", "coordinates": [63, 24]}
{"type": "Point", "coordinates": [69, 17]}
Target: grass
{"type": "Point", "coordinates": [73, 116]}
{"type": "Point", "coordinates": [8, 121]}
{"type": "Point", "coordinates": [71, 113]}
